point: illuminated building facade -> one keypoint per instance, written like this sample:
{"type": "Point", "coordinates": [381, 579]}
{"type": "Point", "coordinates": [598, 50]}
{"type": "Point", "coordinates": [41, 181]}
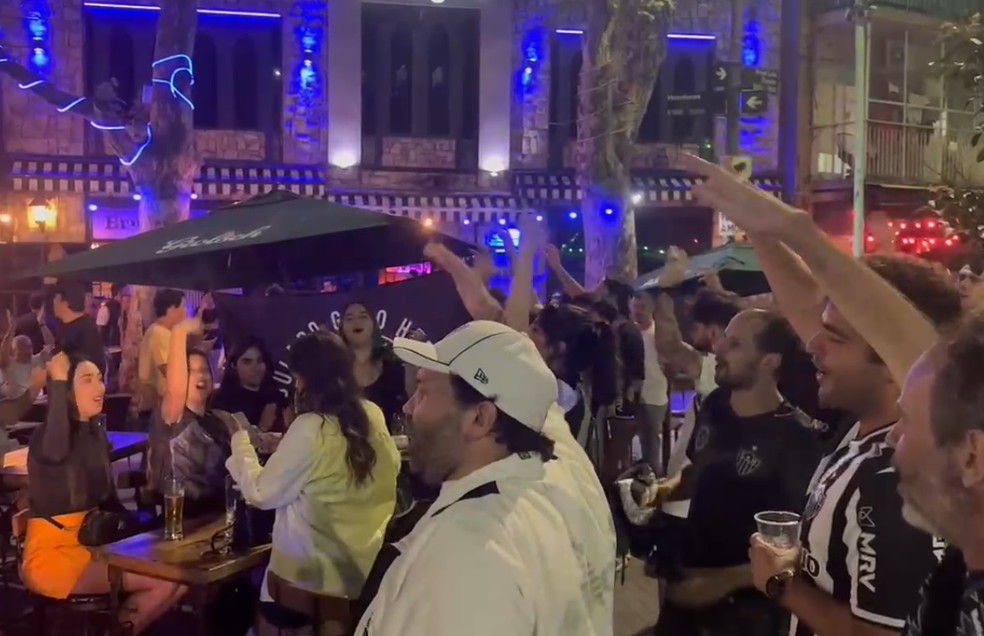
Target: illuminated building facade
{"type": "Point", "coordinates": [458, 113]}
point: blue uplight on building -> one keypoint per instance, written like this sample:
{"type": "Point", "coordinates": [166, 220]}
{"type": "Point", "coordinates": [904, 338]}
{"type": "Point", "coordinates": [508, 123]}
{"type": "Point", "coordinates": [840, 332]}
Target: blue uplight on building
{"type": "Point", "coordinates": [37, 24]}
{"type": "Point", "coordinates": [751, 47]}
{"type": "Point", "coordinates": [532, 56]}
{"type": "Point", "coordinates": [307, 76]}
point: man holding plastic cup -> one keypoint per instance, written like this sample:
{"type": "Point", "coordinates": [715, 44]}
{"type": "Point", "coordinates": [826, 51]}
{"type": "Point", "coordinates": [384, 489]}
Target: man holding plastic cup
{"type": "Point", "coordinates": [860, 565]}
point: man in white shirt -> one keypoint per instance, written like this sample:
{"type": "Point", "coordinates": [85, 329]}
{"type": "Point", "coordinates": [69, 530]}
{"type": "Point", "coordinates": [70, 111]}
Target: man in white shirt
{"type": "Point", "coordinates": [655, 396]}
{"type": "Point", "coordinates": [520, 540]}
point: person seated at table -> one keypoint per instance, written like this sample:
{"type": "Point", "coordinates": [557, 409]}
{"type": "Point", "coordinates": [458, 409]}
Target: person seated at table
{"type": "Point", "coordinates": [185, 442]}
{"type": "Point", "coordinates": [69, 464]}
{"type": "Point", "coordinates": [248, 386]}
{"type": "Point", "coordinates": [332, 482]}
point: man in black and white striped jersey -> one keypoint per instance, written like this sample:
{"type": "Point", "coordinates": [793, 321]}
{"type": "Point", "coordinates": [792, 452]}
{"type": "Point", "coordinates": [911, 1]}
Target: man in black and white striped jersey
{"type": "Point", "coordinates": [853, 531]}
{"type": "Point", "coordinates": [861, 564]}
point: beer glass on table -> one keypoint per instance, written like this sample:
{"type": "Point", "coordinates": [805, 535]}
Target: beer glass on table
{"type": "Point", "coordinates": [174, 494]}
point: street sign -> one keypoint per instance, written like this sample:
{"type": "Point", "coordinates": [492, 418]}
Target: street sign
{"type": "Point", "coordinates": [760, 79]}
{"type": "Point", "coordinates": [686, 105]}
{"type": "Point", "coordinates": [754, 102]}
{"type": "Point", "coordinates": [722, 73]}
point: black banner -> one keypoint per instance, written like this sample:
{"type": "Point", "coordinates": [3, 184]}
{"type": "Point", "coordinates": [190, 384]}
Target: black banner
{"type": "Point", "coordinates": [430, 303]}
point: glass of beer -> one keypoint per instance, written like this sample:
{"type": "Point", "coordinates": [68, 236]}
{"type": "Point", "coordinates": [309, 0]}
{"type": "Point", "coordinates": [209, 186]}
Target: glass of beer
{"type": "Point", "coordinates": [174, 494]}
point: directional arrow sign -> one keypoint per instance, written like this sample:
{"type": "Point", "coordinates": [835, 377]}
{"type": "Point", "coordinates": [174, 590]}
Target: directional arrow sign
{"type": "Point", "coordinates": [722, 73]}
{"type": "Point", "coordinates": [754, 102]}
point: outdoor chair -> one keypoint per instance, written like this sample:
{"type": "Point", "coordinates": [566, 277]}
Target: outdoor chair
{"type": "Point", "coordinates": [92, 612]}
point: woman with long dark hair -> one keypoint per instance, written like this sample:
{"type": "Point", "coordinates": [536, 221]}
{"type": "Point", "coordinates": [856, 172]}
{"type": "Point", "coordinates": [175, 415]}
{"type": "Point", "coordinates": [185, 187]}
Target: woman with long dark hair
{"type": "Point", "coordinates": [71, 475]}
{"type": "Point", "coordinates": [581, 352]}
{"type": "Point", "coordinates": [332, 481]}
{"type": "Point", "coordinates": [380, 373]}
{"type": "Point", "coordinates": [248, 386]}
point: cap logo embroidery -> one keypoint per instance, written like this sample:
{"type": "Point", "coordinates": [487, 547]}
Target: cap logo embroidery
{"type": "Point", "coordinates": [481, 377]}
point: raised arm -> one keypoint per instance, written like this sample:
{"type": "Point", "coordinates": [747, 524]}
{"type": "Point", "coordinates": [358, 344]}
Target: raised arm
{"type": "Point", "coordinates": [570, 285]}
{"type": "Point", "coordinates": [793, 287]}
{"type": "Point", "coordinates": [476, 297]}
{"type": "Point", "coordinates": [56, 433]}
{"type": "Point", "coordinates": [176, 393]}
{"type": "Point", "coordinates": [521, 296]}
{"type": "Point", "coordinates": [668, 340]}
{"type": "Point", "coordinates": [861, 295]}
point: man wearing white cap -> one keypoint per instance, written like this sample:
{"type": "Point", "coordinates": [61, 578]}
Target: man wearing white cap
{"type": "Point", "coordinates": [520, 540]}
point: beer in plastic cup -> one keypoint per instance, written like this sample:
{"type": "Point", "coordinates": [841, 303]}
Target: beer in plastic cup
{"type": "Point", "coordinates": [778, 528]}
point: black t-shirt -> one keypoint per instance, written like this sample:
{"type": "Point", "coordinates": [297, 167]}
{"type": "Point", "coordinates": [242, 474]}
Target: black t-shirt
{"type": "Point", "coordinates": [81, 336]}
{"type": "Point", "coordinates": [234, 398]}
{"type": "Point", "coordinates": [951, 602]}
{"type": "Point", "coordinates": [27, 325]}
{"type": "Point", "coordinates": [744, 465]}
{"type": "Point", "coordinates": [193, 450]}
{"type": "Point", "coordinates": [389, 391]}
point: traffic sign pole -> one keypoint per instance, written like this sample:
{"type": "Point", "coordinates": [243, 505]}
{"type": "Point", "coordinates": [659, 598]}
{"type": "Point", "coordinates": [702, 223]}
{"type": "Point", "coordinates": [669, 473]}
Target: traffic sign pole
{"type": "Point", "coordinates": [734, 81]}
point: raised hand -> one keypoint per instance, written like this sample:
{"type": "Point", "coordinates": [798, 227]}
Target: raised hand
{"type": "Point", "coordinates": [753, 210]}
{"type": "Point", "coordinates": [58, 367]}
{"type": "Point", "coordinates": [552, 254]}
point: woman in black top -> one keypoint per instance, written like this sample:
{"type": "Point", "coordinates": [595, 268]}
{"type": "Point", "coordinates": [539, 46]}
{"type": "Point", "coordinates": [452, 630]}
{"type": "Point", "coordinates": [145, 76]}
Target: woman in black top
{"type": "Point", "coordinates": [248, 386]}
{"type": "Point", "coordinates": [70, 470]}
{"type": "Point", "coordinates": [377, 370]}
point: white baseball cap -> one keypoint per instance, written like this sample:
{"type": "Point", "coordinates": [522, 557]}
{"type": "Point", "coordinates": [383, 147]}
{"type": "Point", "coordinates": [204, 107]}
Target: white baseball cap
{"type": "Point", "coordinates": [495, 360]}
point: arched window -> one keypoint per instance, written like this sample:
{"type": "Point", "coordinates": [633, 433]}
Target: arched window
{"type": "Point", "coordinates": [121, 65]}
{"type": "Point", "coordinates": [577, 63]}
{"type": "Point", "coordinates": [370, 68]}
{"type": "Point", "coordinates": [205, 93]}
{"type": "Point", "coordinates": [401, 80]}
{"type": "Point", "coordinates": [438, 84]}
{"type": "Point", "coordinates": [245, 72]}
{"type": "Point", "coordinates": [684, 82]}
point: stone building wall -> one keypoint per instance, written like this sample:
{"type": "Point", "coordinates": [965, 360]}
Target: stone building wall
{"type": "Point", "coordinates": [531, 109]}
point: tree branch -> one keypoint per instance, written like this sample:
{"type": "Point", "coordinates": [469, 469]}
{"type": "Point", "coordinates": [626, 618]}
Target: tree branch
{"type": "Point", "coordinates": [98, 110]}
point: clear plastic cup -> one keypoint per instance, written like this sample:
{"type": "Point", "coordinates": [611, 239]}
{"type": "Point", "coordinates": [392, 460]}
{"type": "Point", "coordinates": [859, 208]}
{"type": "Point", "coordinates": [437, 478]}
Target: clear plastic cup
{"type": "Point", "coordinates": [779, 528]}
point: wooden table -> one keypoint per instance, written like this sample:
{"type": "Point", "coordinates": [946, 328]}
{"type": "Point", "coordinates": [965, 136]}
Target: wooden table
{"type": "Point", "coordinates": [189, 562]}
{"type": "Point", "coordinates": [14, 471]}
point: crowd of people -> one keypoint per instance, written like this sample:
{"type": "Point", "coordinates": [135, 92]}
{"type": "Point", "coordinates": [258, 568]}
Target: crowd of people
{"type": "Point", "coordinates": [851, 399]}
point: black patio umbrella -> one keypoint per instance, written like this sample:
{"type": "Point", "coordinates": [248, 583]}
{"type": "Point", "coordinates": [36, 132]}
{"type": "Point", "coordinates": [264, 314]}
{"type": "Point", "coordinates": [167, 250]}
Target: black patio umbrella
{"type": "Point", "coordinates": [274, 238]}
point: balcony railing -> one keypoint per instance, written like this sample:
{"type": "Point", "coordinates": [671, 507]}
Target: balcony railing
{"type": "Point", "coordinates": [902, 154]}
{"type": "Point", "coordinates": [943, 9]}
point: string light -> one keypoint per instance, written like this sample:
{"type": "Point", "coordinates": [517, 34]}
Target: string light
{"type": "Point", "coordinates": [30, 85]}
{"type": "Point", "coordinates": [136, 155]}
{"type": "Point", "coordinates": [71, 105]}
{"type": "Point", "coordinates": [188, 67]}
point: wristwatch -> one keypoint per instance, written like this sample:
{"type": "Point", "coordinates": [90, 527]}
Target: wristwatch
{"type": "Point", "coordinates": [777, 584]}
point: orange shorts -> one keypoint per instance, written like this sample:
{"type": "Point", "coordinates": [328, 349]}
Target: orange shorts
{"type": "Point", "coordinates": [54, 560]}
